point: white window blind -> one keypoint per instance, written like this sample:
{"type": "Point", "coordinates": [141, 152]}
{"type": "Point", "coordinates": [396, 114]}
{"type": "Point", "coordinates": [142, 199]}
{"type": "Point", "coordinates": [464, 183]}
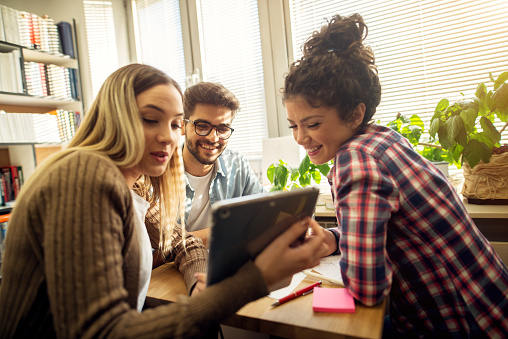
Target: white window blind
{"type": "Point", "coordinates": [425, 50]}
{"type": "Point", "coordinates": [101, 41]}
{"type": "Point", "coordinates": [231, 54]}
{"type": "Point", "coordinates": [159, 41]}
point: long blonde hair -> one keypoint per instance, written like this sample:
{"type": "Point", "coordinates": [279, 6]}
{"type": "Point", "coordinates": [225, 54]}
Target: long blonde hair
{"type": "Point", "coordinates": [113, 127]}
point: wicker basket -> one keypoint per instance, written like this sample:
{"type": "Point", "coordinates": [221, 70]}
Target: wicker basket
{"type": "Point", "coordinates": [487, 183]}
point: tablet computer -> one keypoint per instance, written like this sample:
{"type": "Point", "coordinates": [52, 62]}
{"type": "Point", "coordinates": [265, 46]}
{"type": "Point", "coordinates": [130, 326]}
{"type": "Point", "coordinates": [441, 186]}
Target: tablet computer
{"type": "Point", "coordinates": [242, 227]}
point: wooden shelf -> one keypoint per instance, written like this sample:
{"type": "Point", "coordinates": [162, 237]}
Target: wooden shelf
{"type": "Point", "coordinates": [14, 99]}
{"type": "Point", "coordinates": [49, 58]}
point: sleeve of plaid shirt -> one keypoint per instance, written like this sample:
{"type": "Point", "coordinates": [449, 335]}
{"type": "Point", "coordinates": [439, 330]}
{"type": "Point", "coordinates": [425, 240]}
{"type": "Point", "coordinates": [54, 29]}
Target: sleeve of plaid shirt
{"type": "Point", "coordinates": [364, 199]}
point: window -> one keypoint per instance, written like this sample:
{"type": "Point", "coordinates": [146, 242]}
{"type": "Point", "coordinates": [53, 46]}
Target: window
{"type": "Point", "coordinates": [231, 55]}
{"type": "Point", "coordinates": [101, 41]}
{"type": "Point", "coordinates": [425, 50]}
{"type": "Point", "coordinates": [219, 41]}
{"type": "Point", "coordinates": [159, 40]}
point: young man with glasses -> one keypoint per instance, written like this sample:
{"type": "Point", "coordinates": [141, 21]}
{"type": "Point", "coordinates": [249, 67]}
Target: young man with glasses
{"type": "Point", "coordinates": [212, 172]}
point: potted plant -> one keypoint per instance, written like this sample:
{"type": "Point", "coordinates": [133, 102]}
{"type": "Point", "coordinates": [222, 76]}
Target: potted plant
{"type": "Point", "coordinates": [413, 129]}
{"type": "Point", "coordinates": [284, 177]}
{"type": "Point", "coordinates": [466, 129]}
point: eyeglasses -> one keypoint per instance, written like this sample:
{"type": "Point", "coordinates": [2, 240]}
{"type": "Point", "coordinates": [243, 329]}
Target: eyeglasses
{"type": "Point", "coordinates": [204, 128]}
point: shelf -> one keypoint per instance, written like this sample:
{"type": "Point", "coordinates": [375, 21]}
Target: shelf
{"type": "Point", "coordinates": [5, 210]}
{"type": "Point", "coordinates": [49, 58]}
{"type": "Point", "coordinates": [37, 55]}
{"type": "Point", "coordinates": [36, 144]}
{"type": "Point", "coordinates": [29, 154]}
{"type": "Point", "coordinates": [20, 99]}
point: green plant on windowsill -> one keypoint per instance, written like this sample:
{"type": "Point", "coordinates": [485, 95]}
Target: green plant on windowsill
{"type": "Point", "coordinates": [284, 177]}
{"type": "Point", "coordinates": [457, 125]}
{"type": "Point", "coordinates": [413, 129]}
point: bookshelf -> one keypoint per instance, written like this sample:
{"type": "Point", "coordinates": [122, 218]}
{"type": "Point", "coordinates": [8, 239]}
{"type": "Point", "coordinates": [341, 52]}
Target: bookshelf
{"type": "Point", "coordinates": [40, 82]}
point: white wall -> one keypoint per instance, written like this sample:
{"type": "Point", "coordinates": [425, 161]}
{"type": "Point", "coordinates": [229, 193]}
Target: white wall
{"type": "Point", "coordinates": [67, 10]}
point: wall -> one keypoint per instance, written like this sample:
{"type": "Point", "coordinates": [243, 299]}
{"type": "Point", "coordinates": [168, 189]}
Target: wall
{"type": "Point", "coordinates": [67, 10]}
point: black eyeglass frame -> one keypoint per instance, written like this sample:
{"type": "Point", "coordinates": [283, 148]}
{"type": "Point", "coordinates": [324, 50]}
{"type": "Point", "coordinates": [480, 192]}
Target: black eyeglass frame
{"type": "Point", "coordinates": [211, 128]}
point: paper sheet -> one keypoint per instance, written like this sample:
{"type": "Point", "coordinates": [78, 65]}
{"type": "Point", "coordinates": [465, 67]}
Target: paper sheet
{"type": "Point", "coordinates": [328, 266]}
{"type": "Point", "coordinates": [282, 292]}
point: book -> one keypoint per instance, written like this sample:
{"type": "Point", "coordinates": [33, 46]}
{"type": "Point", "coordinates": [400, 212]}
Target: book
{"type": "Point", "coordinates": [334, 300]}
{"type": "Point", "coordinates": [4, 219]}
{"type": "Point", "coordinates": [2, 189]}
{"type": "Point", "coordinates": [2, 31]}
{"type": "Point", "coordinates": [36, 32]}
{"type": "Point", "coordinates": [8, 185]}
{"type": "Point", "coordinates": [73, 80]}
{"type": "Point", "coordinates": [20, 175]}
{"type": "Point", "coordinates": [65, 32]}
{"type": "Point", "coordinates": [11, 29]}
{"type": "Point", "coordinates": [12, 180]}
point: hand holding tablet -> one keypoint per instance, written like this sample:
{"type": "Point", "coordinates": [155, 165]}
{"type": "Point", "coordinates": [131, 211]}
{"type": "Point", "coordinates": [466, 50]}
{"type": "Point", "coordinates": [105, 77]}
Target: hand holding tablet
{"type": "Point", "coordinates": [265, 228]}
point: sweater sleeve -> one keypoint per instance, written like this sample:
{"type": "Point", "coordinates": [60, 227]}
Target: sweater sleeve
{"type": "Point", "coordinates": [192, 316]}
{"type": "Point", "coordinates": [189, 258]}
{"type": "Point", "coordinates": [90, 263]}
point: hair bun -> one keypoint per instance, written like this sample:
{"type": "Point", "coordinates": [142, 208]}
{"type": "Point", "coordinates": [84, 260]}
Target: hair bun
{"type": "Point", "coordinates": [342, 36]}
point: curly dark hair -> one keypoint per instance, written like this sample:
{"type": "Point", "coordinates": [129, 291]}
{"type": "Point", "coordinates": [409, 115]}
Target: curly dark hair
{"type": "Point", "coordinates": [209, 93]}
{"type": "Point", "coordinates": [336, 70]}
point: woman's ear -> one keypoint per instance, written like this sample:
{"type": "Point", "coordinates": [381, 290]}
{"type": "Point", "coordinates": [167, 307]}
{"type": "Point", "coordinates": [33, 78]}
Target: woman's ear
{"type": "Point", "coordinates": [358, 115]}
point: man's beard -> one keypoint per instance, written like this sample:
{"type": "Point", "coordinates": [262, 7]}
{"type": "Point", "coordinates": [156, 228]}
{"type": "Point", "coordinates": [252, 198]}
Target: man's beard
{"type": "Point", "coordinates": [195, 151]}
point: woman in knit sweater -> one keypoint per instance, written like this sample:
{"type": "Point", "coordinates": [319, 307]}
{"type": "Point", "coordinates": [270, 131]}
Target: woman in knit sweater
{"type": "Point", "coordinates": [78, 257]}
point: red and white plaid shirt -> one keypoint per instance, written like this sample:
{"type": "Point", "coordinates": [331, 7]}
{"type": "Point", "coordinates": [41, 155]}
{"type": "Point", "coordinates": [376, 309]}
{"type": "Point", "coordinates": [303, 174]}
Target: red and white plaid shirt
{"type": "Point", "coordinates": [404, 232]}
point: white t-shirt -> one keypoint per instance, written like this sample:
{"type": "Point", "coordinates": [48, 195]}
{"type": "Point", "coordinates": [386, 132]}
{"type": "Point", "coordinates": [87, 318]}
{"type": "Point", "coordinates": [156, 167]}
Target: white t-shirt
{"type": "Point", "coordinates": [145, 248]}
{"type": "Point", "coordinates": [198, 215]}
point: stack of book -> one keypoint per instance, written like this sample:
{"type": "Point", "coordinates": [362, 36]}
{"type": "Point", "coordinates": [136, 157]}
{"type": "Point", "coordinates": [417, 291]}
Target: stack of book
{"type": "Point", "coordinates": [35, 32]}
{"type": "Point", "coordinates": [66, 123]}
{"type": "Point", "coordinates": [10, 70]}
{"type": "Point", "coordinates": [53, 127]}
{"type": "Point", "coordinates": [11, 181]}
{"type": "Point", "coordinates": [49, 80]}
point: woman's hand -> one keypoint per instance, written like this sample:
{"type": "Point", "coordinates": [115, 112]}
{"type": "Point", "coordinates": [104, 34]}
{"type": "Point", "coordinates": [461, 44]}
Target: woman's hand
{"type": "Point", "coordinates": [281, 259]}
{"type": "Point", "coordinates": [200, 284]}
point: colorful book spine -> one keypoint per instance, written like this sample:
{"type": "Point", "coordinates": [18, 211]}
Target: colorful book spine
{"type": "Point", "coordinates": [32, 31]}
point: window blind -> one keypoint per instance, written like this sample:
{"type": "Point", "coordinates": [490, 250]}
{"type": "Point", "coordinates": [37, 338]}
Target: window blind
{"type": "Point", "coordinates": [101, 41]}
{"type": "Point", "coordinates": [425, 50]}
{"type": "Point", "coordinates": [159, 41]}
{"type": "Point", "coordinates": [231, 54]}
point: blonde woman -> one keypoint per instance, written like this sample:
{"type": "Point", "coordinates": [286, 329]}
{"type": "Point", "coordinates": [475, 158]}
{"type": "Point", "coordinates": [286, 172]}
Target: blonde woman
{"type": "Point", "coordinates": [78, 257]}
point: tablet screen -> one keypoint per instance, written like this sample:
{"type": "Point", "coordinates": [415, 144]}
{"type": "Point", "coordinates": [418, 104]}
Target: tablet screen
{"type": "Point", "coordinates": [242, 227]}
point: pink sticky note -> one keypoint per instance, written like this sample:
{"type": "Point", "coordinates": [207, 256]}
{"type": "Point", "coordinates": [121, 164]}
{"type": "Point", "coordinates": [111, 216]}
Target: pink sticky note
{"type": "Point", "coordinates": [336, 300]}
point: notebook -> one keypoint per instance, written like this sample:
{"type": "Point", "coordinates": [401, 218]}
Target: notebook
{"type": "Point", "coordinates": [335, 300]}
{"type": "Point", "coordinates": [242, 227]}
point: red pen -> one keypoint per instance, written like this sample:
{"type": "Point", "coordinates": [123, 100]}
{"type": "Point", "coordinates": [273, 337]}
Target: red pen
{"type": "Point", "coordinates": [303, 291]}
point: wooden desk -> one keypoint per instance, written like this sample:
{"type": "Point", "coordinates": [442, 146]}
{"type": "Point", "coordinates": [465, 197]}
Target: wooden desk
{"type": "Point", "coordinates": [294, 319]}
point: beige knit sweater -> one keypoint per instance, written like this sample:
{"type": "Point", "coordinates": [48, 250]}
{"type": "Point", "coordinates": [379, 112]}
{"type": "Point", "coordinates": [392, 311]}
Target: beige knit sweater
{"type": "Point", "coordinates": [71, 265]}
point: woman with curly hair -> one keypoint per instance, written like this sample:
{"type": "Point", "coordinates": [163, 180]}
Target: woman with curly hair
{"type": "Point", "coordinates": [403, 231]}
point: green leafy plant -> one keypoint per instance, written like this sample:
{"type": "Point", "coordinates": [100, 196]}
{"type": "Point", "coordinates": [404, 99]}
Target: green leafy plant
{"type": "Point", "coordinates": [413, 129]}
{"type": "Point", "coordinates": [457, 125]}
{"type": "Point", "coordinates": [284, 177]}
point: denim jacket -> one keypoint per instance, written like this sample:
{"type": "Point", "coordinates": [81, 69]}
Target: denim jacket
{"type": "Point", "coordinates": [232, 177]}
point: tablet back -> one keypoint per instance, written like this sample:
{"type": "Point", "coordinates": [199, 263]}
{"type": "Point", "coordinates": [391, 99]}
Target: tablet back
{"type": "Point", "coordinates": [242, 227]}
